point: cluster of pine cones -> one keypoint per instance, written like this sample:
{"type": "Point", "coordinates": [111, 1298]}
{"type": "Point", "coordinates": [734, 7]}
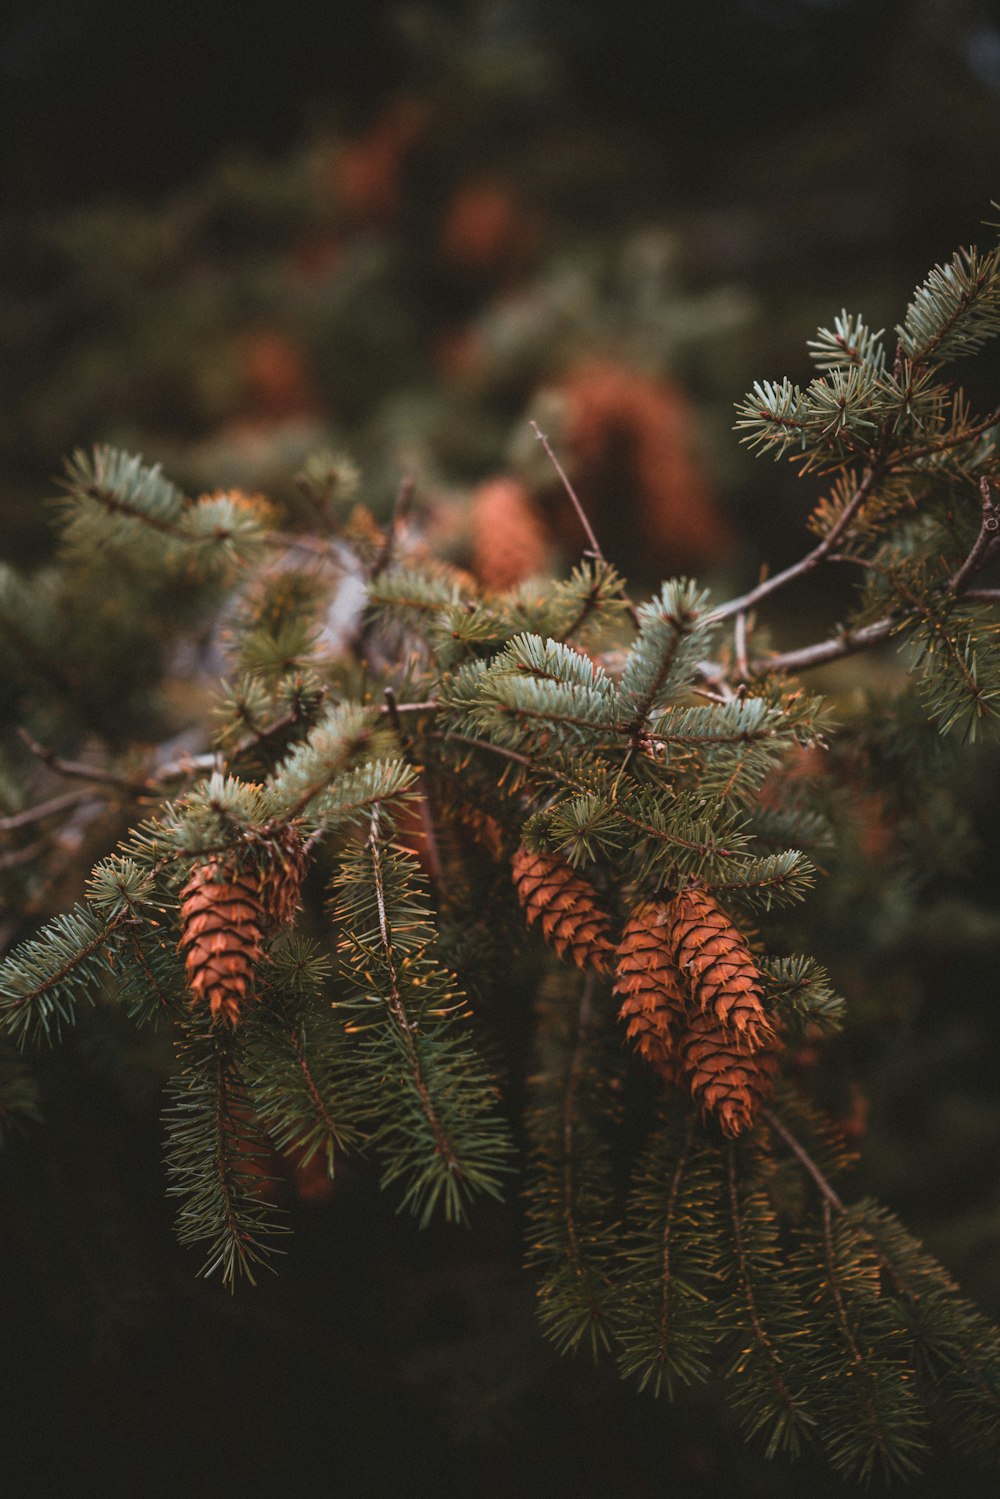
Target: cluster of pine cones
{"type": "Point", "coordinates": [691, 992]}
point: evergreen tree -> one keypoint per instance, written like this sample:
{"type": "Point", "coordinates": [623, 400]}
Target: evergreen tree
{"type": "Point", "coordinates": [409, 780]}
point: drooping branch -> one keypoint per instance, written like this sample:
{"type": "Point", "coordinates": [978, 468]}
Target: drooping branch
{"type": "Point", "coordinates": [397, 1007]}
{"type": "Point", "coordinates": [666, 1278]}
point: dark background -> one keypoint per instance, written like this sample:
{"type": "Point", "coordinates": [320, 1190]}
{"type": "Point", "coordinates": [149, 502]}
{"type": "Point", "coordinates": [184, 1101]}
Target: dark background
{"type": "Point", "coordinates": [811, 154]}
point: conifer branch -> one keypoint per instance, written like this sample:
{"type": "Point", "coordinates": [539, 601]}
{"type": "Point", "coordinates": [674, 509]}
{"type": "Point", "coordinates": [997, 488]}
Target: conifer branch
{"type": "Point", "coordinates": [42, 980]}
{"type": "Point", "coordinates": [858, 1363]}
{"type": "Point", "coordinates": [794, 1414]}
{"type": "Point", "coordinates": [588, 607]}
{"type": "Point", "coordinates": [394, 998]}
{"type": "Point", "coordinates": [214, 1157]}
{"type": "Point", "coordinates": [633, 783]}
{"type": "Point", "coordinates": [568, 1145]}
{"type": "Point", "coordinates": [663, 1323]}
{"type": "Point", "coordinates": [942, 445]}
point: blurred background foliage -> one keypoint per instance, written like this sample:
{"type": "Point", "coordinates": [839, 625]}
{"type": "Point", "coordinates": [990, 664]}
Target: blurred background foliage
{"type": "Point", "coordinates": [237, 241]}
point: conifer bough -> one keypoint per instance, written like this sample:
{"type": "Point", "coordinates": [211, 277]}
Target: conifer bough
{"type": "Point", "coordinates": [644, 774]}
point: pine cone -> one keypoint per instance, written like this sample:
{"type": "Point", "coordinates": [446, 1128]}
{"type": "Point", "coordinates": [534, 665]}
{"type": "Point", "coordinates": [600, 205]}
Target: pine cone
{"type": "Point", "coordinates": [281, 883]}
{"type": "Point", "coordinates": [222, 924]}
{"type": "Point", "coordinates": [656, 997]}
{"type": "Point", "coordinates": [714, 956]}
{"type": "Point", "coordinates": [566, 906]}
{"type": "Point", "coordinates": [728, 1081]}
{"type": "Point", "coordinates": [509, 542]}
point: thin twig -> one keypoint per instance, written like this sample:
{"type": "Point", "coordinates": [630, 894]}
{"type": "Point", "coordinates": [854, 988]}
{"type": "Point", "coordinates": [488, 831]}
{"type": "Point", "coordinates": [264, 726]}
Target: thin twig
{"type": "Point", "coordinates": [989, 528]}
{"type": "Point", "coordinates": [953, 441]}
{"type": "Point", "coordinates": [740, 642]}
{"type": "Point", "coordinates": [497, 749]}
{"type": "Point", "coordinates": [809, 561]}
{"type": "Point", "coordinates": [804, 1158]}
{"type": "Point", "coordinates": [76, 769]}
{"type": "Point", "coordinates": [581, 514]}
{"type": "Point", "coordinates": [850, 641]}
{"type": "Point", "coordinates": [431, 847]}
{"type": "Point", "coordinates": [401, 509]}
{"type": "Point", "coordinates": [42, 810]}
{"type": "Point", "coordinates": [18, 856]}
{"type": "Point", "coordinates": [429, 706]}
{"type": "Point", "coordinates": [845, 644]}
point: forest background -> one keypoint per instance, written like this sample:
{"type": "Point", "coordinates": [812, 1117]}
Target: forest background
{"type": "Point", "coordinates": [399, 232]}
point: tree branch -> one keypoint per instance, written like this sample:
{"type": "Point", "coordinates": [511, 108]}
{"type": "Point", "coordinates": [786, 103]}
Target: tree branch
{"type": "Point", "coordinates": [42, 810]}
{"type": "Point", "coordinates": [984, 543]}
{"type": "Point", "coordinates": [809, 561]}
{"type": "Point", "coordinates": [804, 1158]}
{"type": "Point", "coordinates": [845, 644]}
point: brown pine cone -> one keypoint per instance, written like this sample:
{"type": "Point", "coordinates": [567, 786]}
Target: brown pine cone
{"type": "Point", "coordinates": [566, 906]}
{"type": "Point", "coordinates": [656, 998]}
{"type": "Point", "coordinates": [728, 1081]}
{"type": "Point", "coordinates": [713, 955]}
{"type": "Point", "coordinates": [281, 881]}
{"type": "Point", "coordinates": [509, 542]}
{"type": "Point", "coordinates": [222, 924]}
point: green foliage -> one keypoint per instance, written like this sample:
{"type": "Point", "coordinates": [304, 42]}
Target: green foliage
{"type": "Point", "coordinates": [571, 1237]}
{"type": "Point", "coordinates": [673, 633]}
{"type": "Point", "coordinates": [43, 981]}
{"type": "Point", "coordinates": [669, 1262]}
{"type": "Point", "coordinates": [217, 1159]}
{"type": "Point", "coordinates": [435, 1124]}
{"type": "Point", "coordinates": [956, 309]}
{"type": "Point", "coordinates": [296, 1063]}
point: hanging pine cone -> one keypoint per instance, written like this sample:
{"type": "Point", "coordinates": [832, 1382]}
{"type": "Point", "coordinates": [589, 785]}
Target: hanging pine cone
{"type": "Point", "coordinates": [714, 956]}
{"type": "Point", "coordinates": [222, 924]}
{"type": "Point", "coordinates": [728, 1081]}
{"type": "Point", "coordinates": [565, 904]}
{"type": "Point", "coordinates": [281, 880]}
{"type": "Point", "coordinates": [656, 998]}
